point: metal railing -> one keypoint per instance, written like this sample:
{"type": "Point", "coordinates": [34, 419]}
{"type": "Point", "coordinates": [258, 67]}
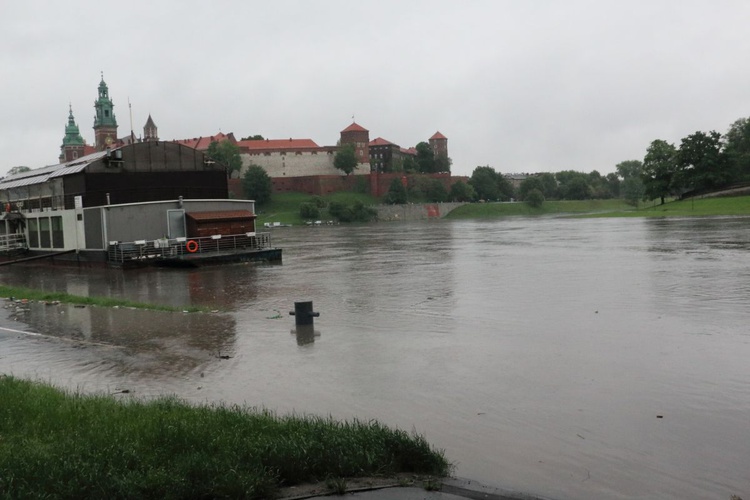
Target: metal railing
{"type": "Point", "coordinates": [174, 248]}
{"type": "Point", "coordinates": [13, 241]}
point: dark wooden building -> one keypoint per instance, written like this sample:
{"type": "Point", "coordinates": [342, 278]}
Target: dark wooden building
{"type": "Point", "coordinates": [138, 172]}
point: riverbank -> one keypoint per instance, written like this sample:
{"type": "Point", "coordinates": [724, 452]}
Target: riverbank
{"type": "Point", "coordinates": [95, 446]}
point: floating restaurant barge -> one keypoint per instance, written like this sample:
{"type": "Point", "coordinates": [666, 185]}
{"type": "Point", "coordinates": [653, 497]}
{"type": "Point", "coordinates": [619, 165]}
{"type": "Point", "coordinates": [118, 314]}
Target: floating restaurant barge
{"type": "Point", "coordinates": [149, 203]}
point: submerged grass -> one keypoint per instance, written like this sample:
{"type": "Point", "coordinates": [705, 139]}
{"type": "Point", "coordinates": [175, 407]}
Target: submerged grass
{"type": "Point", "coordinates": [61, 445]}
{"type": "Point", "coordinates": [32, 294]}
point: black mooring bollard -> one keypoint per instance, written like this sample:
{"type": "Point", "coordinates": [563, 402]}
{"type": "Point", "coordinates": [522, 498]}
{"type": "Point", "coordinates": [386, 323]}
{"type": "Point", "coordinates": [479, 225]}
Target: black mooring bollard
{"type": "Point", "coordinates": [303, 313]}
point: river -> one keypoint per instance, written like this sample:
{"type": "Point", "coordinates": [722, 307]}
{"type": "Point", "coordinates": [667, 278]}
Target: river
{"type": "Point", "coordinates": [566, 358]}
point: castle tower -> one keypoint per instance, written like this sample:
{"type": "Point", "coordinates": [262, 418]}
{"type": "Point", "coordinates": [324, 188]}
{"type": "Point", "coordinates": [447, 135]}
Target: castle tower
{"type": "Point", "coordinates": [360, 137]}
{"type": "Point", "coordinates": [149, 130]}
{"type": "Point", "coordinates": [439, 145]}
{"type": "Point", "coordinates": [72, 144]}
{"type": "Point", "coordinates": [105, 124]}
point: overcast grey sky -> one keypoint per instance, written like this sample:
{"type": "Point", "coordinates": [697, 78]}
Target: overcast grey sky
{"type": "Point", "coordinates": [522, 86]}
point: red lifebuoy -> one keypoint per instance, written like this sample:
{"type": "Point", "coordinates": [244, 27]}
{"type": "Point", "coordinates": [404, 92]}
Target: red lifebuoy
{"type": "Point", "coordinates": [191, 246]}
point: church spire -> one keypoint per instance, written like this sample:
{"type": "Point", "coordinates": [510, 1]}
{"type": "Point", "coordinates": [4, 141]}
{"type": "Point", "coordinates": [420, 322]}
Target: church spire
{"type": "Point", "coordinates": [72, 144]}
{"type": "Point", "coordinates": [105, 123]}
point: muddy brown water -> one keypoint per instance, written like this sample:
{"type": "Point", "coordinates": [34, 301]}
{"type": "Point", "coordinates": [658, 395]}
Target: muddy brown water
{"type": "Point", "coordinates": [560, 357]}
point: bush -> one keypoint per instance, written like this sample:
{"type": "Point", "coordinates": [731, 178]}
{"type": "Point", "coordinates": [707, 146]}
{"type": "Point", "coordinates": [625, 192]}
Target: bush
{"type": "Point", "coordinates": [309, 211]}
{"type": "Point", "coordinates": [396, 194]}
{"type": "Point", "coordinates": [356, 212]}
{"type": "Point", "coordinates": [257, 185]}
{"type": "Point", "coordinates": [534, 198]}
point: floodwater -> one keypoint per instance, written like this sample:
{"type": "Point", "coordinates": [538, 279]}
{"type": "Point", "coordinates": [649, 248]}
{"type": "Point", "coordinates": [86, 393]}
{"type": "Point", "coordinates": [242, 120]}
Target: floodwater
{"type": "Point", "coordinates": [567, 358]}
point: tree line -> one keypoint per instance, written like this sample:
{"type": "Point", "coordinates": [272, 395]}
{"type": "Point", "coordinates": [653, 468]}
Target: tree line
{"type": "Point", "coordinates": [703, 162]}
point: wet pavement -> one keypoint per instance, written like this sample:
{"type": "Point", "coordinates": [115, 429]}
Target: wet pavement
{"type": "Point", "coordinates": [451, 489]}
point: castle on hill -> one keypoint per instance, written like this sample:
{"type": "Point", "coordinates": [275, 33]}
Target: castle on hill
{"type": "Point", "coordinates": [282, 159]}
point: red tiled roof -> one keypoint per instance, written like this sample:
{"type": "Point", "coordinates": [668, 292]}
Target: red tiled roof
{"type": "Point", "coordinates": [202, 143]}
{"type": "Point", "coordinates": [354, 127]}
{"type": "Point", "coordinates": [438, 135]}
{"type": "Point", "coordinates": [278, 144]}
{"type": "Point", "coordinates": [221, 215]}
{"type": "Point", "coordinates": [380, 142]}
{"type": "Point", "coordinates": [409, 151]}
{"type": "Point", "coordinates": [87, 150]}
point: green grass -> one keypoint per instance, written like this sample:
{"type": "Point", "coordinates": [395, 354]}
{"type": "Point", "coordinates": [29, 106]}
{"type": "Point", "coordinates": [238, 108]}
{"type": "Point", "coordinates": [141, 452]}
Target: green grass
{"type": "Point", "coordinates": [55, 444]}
{"type": "Point", "coordinates": [41, 295]}
{"type": "Point", "coordinates": [492, 210]}
{"type": "Point", "coordinates": [698, 207]}
{"type": "Point", "coordinates": [284, 207]}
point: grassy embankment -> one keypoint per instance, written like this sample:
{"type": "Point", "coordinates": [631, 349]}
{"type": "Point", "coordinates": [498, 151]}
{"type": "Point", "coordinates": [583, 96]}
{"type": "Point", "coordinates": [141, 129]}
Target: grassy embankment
{"type": "Point", "coordinates": [60, 445]}
{"type": "Point", "coordinates": [698, 207]}
{"type": "Point", "coordinates": [492, 210]}
{"type": "Point", "coordinates": [738, 205]}
{"type": "Point", "coordinates": [284, 207]}
{"type": "Point", "coordinates": [41, 295]}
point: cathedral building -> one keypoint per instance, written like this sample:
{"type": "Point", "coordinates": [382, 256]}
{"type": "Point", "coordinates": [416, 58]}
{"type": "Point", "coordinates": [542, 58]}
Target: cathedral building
{"type": "Point", "coordinates": [105, 130]}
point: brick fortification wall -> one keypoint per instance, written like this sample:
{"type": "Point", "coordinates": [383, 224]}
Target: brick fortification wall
{"type": "Point", "coordinates": [320, 185]}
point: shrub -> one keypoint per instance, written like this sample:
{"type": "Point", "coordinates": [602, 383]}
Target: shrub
{"type": "Point", "coordinates": [309, 211]}
{"type": "Point", "coordinates": [534, 198]}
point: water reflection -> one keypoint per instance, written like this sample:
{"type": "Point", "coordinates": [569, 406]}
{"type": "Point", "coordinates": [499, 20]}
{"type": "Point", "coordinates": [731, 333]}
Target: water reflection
{"type": "Point", "coordinates": [133, 341]}
{"type": "Point", "coordinates": [305, 334]}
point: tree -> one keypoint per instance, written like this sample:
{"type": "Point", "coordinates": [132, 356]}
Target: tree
{"type": "Point", "coordinates": [529, 184]}
{"type": "Point", "coordinates": [613, 185]}
{"type": "Point", "coordinates": [573, 185]}
{"type": "Point", "coordinates": [633, 190]}
{"type": "Point", "coordinates": [442, 164]}
{"type": "Point", "coordinates": [425, 158]}
{"type": "Point", "coordinates": [435, 191]}
{"type": "Point", "coordinates": [598, 185]}
{"type": "Point", "coordinates": [409, 165]}
{"type": "Point", "coordinates": [226, 153]}
{"type": "Point", "coordinates": [257, 184]}
{"type": "Point", "coordinates": [629, 168]}
{"type": "Point", "coordinates": [550, 185]}
{"type": "Point", "coordinates": [460, 191]}
{"type": "Point", "coordinates": [505, 189]}
{"type": "Point", "coordinates": [701, 162]}
{"type": "Point", "coordinates": [484, 182]}
{"type": "Point", "coordinates": [737, 147]}
{"type": "Point", "coordinates": [346, 158]}
{"type": "Point", "coordinates": [256, 137]}
{"type": "Point", "coordinates": [18, 170]}
{"type": "Point", "coordinates": [534, 198]}
{"type": "Point", "coordinates": [659, 166]}
{"type": "Point", "coordinates": [396, 194]}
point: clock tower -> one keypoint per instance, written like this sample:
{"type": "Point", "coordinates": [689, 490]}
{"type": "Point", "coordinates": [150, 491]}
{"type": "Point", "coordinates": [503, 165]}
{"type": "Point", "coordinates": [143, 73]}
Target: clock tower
{"type": "Point", "coordinates": [105, 124]}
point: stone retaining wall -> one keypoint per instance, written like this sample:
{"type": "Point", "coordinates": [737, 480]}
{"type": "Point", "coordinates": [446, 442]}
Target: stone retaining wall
{"type": "Point", "coordinates": [415, 211]}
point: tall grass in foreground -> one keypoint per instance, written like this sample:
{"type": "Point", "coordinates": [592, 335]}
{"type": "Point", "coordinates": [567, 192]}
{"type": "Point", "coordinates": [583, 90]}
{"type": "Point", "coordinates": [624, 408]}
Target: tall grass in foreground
{"type": "Point", "coordinates": [60, 445]}
{"type": "Point", "coordinates": [32, 294]}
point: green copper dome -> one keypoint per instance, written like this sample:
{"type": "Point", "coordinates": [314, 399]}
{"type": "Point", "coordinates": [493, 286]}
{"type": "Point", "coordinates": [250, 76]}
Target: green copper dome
{"type": "Point", "coordinates": [72, 133]}
{"type": "Point", "coordinates": [105, 115]}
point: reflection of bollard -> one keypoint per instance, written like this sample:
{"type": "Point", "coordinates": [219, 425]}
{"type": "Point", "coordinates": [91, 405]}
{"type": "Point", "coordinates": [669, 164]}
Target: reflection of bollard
{"type": "Point", "coordinates": [303, 313]}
